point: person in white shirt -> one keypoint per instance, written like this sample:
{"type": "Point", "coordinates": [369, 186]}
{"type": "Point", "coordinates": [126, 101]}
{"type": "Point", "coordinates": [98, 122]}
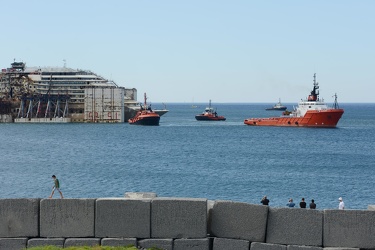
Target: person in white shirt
{"type": "Point", "coordinates": [341, 204]}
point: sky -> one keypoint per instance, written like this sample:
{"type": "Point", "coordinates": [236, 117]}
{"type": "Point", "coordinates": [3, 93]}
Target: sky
{"type": "Point", "coordinates": [238, 51]}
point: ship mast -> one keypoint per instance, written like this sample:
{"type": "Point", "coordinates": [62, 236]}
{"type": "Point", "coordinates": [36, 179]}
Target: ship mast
{"type": "Point", "coordinates": [335, 104]}
{"type": "Point", "coordinates": [314, 95]}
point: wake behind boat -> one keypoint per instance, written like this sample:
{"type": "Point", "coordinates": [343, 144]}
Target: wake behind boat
{"type": "Point", "coordinates": [312, 112]}
{"type": "Point", "coordinates": [145, 116]}
{"type": "Point", "coordinates": [278, 106]}
{"type": "Point", "coordinates": [209, 114]}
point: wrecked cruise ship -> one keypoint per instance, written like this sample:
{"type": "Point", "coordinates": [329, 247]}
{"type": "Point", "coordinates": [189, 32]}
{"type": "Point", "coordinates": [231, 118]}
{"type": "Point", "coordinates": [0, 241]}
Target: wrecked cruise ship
{"type": "Point", "coordinates": [61, 94]}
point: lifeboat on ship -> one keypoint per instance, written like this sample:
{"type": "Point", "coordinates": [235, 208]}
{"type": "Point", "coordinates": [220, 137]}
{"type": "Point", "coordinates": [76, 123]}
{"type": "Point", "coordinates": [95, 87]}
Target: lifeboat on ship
{"type": "Point", "coordinates": [145, 116]}
{"type": "Point", "coordinates": [209, 114]}
{"type": "Point", "coordinates": [312, 112]}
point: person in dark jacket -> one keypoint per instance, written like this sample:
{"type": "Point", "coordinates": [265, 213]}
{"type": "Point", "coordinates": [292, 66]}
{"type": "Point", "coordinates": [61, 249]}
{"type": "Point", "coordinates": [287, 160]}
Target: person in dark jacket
{"type": "Point", "coordinates": [265, 201]}
{"type": "Point", "coordinates": [312, 204]}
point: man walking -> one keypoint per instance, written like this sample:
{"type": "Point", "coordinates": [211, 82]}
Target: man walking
{"type": "Point", "coordinates": [56, 186]}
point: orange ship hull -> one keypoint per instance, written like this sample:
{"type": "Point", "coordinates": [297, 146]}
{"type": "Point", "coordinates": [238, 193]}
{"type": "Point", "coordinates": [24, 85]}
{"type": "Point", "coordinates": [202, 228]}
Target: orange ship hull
{"type": "Point", "coordinates": [145, 118]}
{"type": "Point", "coordinates": [313, 118]}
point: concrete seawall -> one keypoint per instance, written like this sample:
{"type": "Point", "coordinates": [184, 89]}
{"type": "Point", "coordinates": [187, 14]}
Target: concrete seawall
{"type": "Point", "coordinates": [179, 224]}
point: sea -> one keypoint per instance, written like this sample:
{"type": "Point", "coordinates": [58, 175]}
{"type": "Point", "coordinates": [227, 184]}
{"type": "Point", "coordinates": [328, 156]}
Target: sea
{"type": "Point", "coordinates": [222, 160]}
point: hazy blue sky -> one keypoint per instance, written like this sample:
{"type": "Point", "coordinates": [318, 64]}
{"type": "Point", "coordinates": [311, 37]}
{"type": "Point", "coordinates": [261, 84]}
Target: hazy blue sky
{"type": "Point", "coordinates": [196, 50]}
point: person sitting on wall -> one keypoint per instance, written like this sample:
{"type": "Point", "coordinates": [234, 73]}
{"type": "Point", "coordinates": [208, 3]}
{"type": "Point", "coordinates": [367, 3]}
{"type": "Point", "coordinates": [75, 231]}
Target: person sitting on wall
{"type": "Point", "coordinates": [265, 201]}
{"type": "Point", "coordinates": [290, 203]}
{"type": "Point", "coordinates": [312, 204]}
{"type": "Point", "coordinates": [302, 204]}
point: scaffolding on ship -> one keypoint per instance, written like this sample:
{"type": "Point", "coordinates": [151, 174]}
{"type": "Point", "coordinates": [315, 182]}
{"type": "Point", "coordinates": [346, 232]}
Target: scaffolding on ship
{"type": "Point", "coordinates": [43, 106]}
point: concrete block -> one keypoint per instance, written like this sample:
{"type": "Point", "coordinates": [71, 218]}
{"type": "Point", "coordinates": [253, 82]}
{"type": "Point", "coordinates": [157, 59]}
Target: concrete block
{"type": "Point", "coordinates": [349, 228]}
{"type": "Point", "coordinates": [210, 206]}
{"type": "Point", "coordinates": [178, 218]}
{"type": "Point", "coordinates": [192, 244]}
{"type": "Point", "coordinates": [118, 242]}
{"type": "Point", "coordinates": [67, 218]}
{"type": "Point", "coordinates": [80, 242]}
{"type": "Point", "coordinates": [140, 195]}
{"type": "Point", "coordinates": [36, 242]}
{"type": "Point", "coordinates": [238, 220]}
{"type": "Point", "coordinates": [123, 218]}
{"type": "Point", "coordinates": [19, 218]}
{"type": "Point", "coordinates": [371, 207]}
{"type": "Point", "coordinates": [340, 248]}
{"type": "Point", "coordinates": [295, 226]}
{"type": "Point", "coordinates": [13, 243]}
{"type": "Point", "coordinates": [225, 244]}
{"type": "Point", "coordinates": [266, 246]}
{"type": "Point", "coordinates": [165, 244]}
{"type": "Point", "coordinates": [295, 247]}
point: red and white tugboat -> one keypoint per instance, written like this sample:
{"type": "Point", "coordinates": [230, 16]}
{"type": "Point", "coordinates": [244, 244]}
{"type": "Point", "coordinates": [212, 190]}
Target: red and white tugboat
{"type": "Point", "coordinates": [209, 114]}
{"type": "Point", "coordinates": [312, 112]}
{"type": "Point", "coordinates": [145, 116]}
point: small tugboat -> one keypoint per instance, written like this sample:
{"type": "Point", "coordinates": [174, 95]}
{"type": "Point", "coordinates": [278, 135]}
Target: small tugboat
{"type": "Point", "coordinates": [145, 116]}
{"type": "Point", "coordinates": [209, 114]}
{"type": "Point", "coordinates": [278, 106]}
{"type": "Point", "coordinates": [312, 112]}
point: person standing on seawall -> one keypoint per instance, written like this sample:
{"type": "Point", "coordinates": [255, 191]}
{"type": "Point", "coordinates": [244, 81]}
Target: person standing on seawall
{"type": "Point", "coordinates": [290, 203]}
{"type": "Point", "coordinates": [265, 201]}
{"type": "Point", "coordinates": [302, 204]}
{"type": "Point", "coordinates": [56, 186]}
{"type": "Point", "coordinates": [312, 204]}
{"type": "Point", "coordinates": [341, 204]}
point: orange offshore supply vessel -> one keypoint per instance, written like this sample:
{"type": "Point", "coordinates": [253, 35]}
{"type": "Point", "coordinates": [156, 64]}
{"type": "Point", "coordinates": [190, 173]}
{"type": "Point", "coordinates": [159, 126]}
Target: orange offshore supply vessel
{"type": "Point", "coordinates": [312, 112]}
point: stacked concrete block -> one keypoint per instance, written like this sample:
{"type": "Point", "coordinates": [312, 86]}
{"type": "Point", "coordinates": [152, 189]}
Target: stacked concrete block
{"type": "Point", "coordinates": [38, 242]}
{"type": "Point", "coordinates": [192, 244]}
{"type": "Point", "coordinates": [13, 243]}
{"type": "Point", "coordinates": [178, 218]}
{"type": "Point", "coordinates": [19, 217]}
{"type": "Point", "coordinates": [266, 246]}
{"type": "Point", "coordinates": [295, 226]}
{"type": "Point", "coordinates": [295, 247]}
{"type": "Point", "coordinates": [140, 195]}
{"type": "Point", "coordinates": [165, 244]}
{"type": "Point", "coordinates": [349, 228]}
{"type": "Point", "coordinates": [67, 218]}
{"type": "Point", "coordinates": [123, 218]}
{"type": "Point", "coordinates": [79, 242]}
{"type": "Point", "coordinates": [340, 248]}
{"type": "Point", "coordinates": [116, 242]}
{"type": "Point", "coordinates": [225, 244]}
{"type": "Point", "coordinates": [238, 220]}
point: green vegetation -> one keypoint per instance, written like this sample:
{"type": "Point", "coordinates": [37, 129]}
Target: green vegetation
{"type": "Point", "coordinates": [87, 248]}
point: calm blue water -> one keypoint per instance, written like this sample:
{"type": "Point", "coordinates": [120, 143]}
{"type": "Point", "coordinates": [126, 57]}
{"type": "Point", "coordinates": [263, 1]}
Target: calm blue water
{"type": "Point", "coordinates": [186, 158]}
